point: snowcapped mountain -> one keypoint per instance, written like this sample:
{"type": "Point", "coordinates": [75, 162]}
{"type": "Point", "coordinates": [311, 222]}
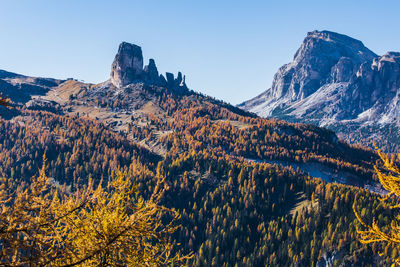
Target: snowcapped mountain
{"type": "Point", "coordinates": [336, 82]}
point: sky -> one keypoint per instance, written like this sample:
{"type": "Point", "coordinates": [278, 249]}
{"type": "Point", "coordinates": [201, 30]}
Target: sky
{"type": "Point", "coordinates": [227, 49]}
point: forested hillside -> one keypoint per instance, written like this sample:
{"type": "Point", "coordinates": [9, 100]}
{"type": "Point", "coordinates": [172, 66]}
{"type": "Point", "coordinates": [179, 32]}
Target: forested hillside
{"type": "Point", "coordinates": [234, 211]}
{"type": "Point", "coordinates": [242, 184]}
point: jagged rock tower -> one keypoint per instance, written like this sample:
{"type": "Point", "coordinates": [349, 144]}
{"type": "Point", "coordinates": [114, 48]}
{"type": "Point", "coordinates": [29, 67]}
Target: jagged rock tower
{"type": "Point", "coordinates": [127, 68]}
{"type": "Point", "coordinates": [128, 65]}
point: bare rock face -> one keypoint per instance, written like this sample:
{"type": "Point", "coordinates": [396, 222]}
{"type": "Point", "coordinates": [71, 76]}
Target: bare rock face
{"type": "Point", "coordinates": [382, 75]}
{"type": "Point", "coordinates": [343, 70]}
{"type": "Point", "coordinates": [127, 66]}
{"type": "Point", "coordinates": [336, 82]}
{"type": "Point", "coordinates": [323, 56]}
{"type": "Point", "coordinates": [170, 79]}
{"type": "Point", "coordinates": [178, 83]}
{"type": "Point", "coordinates": [151, 72]}
{"type": "Point", "coordinates": [127, 69]}
{"type": "Point", "coordinates": [376, 86]}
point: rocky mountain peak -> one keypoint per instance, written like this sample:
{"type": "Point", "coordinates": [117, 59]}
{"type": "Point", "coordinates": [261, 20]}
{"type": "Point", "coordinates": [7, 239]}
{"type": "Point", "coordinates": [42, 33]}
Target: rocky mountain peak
{"type": "Point", "coordinates": [128, 65]}
{"type": "Point", "coordinates": [322, 57]}
{"type": "Point", "coordinates": [335, 38]}
{"type": "Point", "coordinates": [390, 58]}
{"type": "Point", "coordinates": [328, 41]}
{"type": "Point", "coordinates": [377, 81]}
{"type": "Point", "coordinates": [127, 68]}
{"type": "Point", "coordinates": [151, 72]}
{"type": "Point", "coordinates": [335, 81]}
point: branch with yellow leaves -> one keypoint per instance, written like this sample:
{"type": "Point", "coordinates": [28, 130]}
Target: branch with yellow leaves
{"type": "Point", "coordinates": [111, 226]}
{"type": "Point", "coordinates": [389, 177]}
{"type": "Point", "coordinates": [119, 226]}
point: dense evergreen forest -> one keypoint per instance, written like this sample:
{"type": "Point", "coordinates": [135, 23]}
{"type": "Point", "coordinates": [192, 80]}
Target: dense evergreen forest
{"type": "Point", "coordinates": [238, 207]}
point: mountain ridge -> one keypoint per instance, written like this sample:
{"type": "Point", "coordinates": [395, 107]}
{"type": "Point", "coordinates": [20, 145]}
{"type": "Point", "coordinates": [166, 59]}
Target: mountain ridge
{"type": "Point", "coordinates": [334, 81]}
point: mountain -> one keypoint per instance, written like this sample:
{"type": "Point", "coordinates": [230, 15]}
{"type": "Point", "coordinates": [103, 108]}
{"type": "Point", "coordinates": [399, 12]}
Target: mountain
{"type": "Point", "coordinates": [251, 191]}
{"type": "Point", "coordinates": [336, 82]}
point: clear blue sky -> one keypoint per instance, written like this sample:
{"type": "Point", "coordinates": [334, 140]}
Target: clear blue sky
{"type": "Point", "coordinates": [227, 49]}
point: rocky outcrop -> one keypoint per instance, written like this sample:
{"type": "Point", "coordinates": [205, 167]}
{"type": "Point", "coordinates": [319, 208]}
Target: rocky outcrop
{"type": "Point", "coordinates": [334, 80]}
{"type": "Point", "coordinates": [151, 72]}
{"type": "Point", "coordinates": [323, 57]}
{"type": "Point", "coordinates": [128, 65]}
{"type": "Point", "coordinates": [331, 75]}
{"type": "Point", "coordinates": [127, 69]}
{"type": "Point", "coordinates": [177, 83]}
{"type": "Point", "coordinates": [375, 88]}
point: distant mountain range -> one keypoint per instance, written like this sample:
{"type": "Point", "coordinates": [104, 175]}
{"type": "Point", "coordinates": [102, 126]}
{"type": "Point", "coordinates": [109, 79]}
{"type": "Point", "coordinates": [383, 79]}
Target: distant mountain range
{"type": "Point", "coordinates": [336, 82]}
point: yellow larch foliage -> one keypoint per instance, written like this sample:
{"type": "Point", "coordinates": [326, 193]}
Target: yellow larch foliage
{"type": "Point", "coordinates": [4, 101]}
{"type": "Point", "coordinates": [389, 177]}
{"type": "Point", "coordinates": [94, 226]}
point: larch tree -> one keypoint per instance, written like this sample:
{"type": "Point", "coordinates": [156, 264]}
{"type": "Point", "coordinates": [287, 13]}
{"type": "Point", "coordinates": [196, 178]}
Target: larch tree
{"type": "Point", "coordinates": [45, 225]}
{"type": "Point", "coordinates": [4, 101]}
{"type": "Point", "coordinates": [389, 177]}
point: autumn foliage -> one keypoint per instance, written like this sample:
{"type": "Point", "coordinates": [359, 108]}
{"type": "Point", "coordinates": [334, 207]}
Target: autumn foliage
{"type": "Point", "coordinates": [40, 225]}
{"type": "Point", "coordinates": [387, 233]}
{"type": "Point", "coordinates": [221, 170]}
{"type": "Point", "coordinates": [4, 101]}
